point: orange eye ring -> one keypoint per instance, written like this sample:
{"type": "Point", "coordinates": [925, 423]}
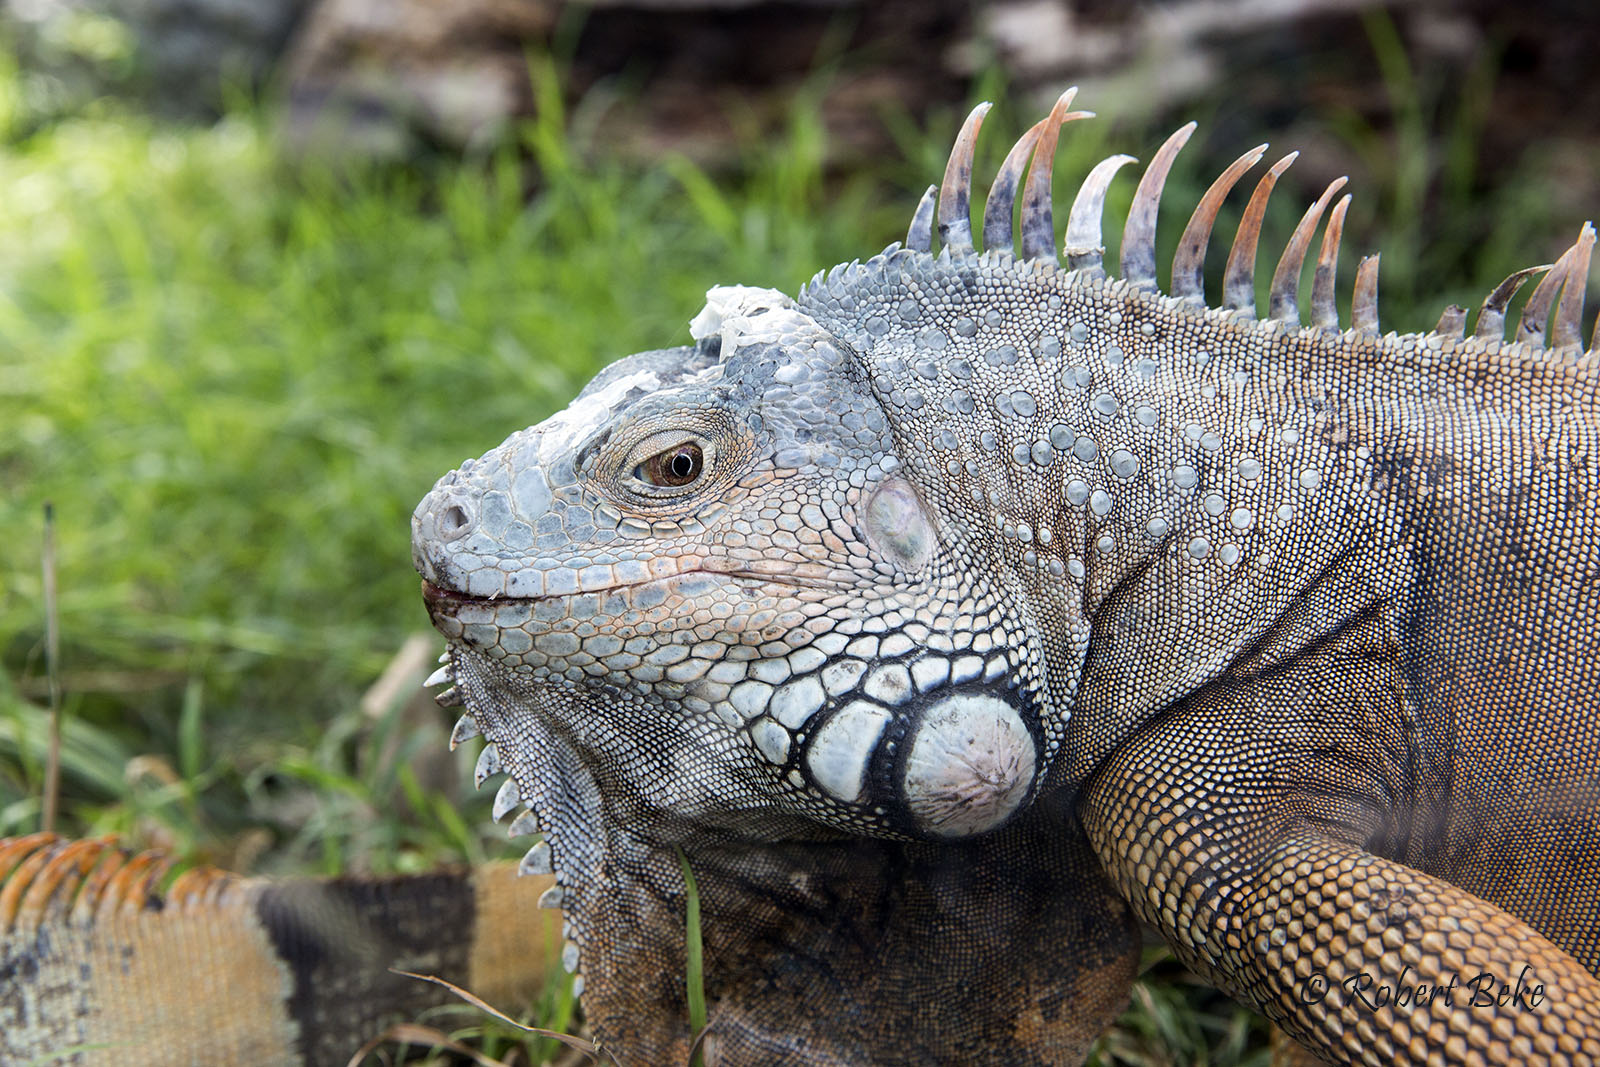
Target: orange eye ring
{"type": "Point", "coordinates": [677, 466]}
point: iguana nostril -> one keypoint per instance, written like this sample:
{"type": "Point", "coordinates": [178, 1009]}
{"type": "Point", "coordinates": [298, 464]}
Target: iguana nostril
{"type": "Point", "coordinates": [452, 522]}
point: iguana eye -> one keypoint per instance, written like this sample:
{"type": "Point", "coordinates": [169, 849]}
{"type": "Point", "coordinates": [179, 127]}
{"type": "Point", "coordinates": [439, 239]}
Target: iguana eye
{"type": "Point", "coordinates": [675, 467]}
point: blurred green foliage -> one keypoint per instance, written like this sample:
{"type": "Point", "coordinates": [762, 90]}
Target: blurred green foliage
{"type": "Point", "coordinates": [235, 377]}
{"type": "Point", "coordinates": [235, 380]}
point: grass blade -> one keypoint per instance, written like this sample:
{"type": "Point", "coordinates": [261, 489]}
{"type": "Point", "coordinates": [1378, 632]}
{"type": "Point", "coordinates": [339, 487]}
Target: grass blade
{"type": "Point", "coordinates": [52, 652]}
{"type": "Point", "coordinates": [694, 960]}
{"type": "Point", "coordinates": [588, 1048]}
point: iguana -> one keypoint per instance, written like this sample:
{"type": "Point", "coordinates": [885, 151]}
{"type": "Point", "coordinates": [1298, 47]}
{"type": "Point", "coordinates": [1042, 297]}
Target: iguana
{"type": "Point", "coordinates": [105, 961]}
{"type": "Point", "coordinates": [948, 621]}
{"type": "Point", "coordinates": [958, 614]}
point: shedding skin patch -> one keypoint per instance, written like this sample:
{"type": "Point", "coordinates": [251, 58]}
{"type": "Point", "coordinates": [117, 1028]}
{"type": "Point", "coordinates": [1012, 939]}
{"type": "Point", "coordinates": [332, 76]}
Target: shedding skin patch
{"type": "Point", "coordinates": [563, 431]}
{"type": "Point", "coordinates": [897, 526]}
{"type": "Point", "coordinates": [970, 766]}
{"type": "Point", "coordinates": [724, 302]}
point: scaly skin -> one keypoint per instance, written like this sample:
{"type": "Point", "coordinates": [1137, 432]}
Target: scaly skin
{"type": "Point", "coordinates": [961, 609]}
{"type": "Point", "coordinates": [102, 964]}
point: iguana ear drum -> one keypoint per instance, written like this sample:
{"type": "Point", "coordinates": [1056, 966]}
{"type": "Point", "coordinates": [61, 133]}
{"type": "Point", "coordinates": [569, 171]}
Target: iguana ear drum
{"type": "Point", "coordinates": [897, 526]}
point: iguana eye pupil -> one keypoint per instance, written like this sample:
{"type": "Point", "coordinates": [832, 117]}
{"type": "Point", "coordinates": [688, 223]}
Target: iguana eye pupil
{"type": "Point", "coordinates": [674, 467]}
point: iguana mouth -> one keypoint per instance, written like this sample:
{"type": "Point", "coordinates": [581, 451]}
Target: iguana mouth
{"type": "Point", "coordinates": [438, 596]}
{"type": "Point", "coordinates": [432, 593]}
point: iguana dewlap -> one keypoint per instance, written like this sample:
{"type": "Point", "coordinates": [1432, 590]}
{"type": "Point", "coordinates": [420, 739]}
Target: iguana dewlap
{"type": "Point", "coordinates": [961, 609]}
{"type": "Point", "coordinates": [103, 965]}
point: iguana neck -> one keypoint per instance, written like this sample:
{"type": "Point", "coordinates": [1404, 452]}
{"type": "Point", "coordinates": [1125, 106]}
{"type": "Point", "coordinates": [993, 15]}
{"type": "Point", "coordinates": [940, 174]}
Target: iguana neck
{"type": "Point", "coordinates": [1124, 457]}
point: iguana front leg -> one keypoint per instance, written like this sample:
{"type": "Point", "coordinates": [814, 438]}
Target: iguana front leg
{"type": "Point", "coordinates": [1240, 823]}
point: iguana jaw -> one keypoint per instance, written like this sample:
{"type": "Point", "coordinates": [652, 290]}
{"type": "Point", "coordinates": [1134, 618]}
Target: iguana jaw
{"type": "Point", "coordinates": [820, 949]}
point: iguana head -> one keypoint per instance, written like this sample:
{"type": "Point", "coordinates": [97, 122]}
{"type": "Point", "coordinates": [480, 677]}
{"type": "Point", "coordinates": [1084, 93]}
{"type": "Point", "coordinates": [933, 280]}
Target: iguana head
{"type": "Point", "coordinates": [725, 603]}
{"type": "Point", "coordinates": [725, 541]}
{"type": "Point", "coordinates": [705, 608]}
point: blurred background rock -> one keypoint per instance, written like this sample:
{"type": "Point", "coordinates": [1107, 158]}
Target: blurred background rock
{"type": "Point", "coordinates": [177, 56]}
{"type": "Point", "coordinates": [390, 77]}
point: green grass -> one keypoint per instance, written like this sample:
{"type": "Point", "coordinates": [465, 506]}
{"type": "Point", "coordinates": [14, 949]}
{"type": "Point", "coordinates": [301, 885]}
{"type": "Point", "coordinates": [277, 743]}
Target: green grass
{"type": "Point", "coordinates": [234, 379]}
